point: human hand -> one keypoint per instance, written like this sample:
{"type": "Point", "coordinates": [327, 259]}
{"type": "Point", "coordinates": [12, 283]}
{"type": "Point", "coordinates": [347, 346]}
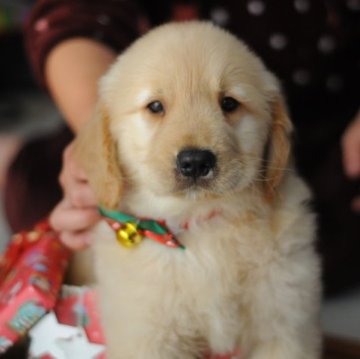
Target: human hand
{"type": "Point", "coordinates": [9, 146]}
{"type": "Point", "coordinates": [351, 154]}
{"type": "Point", "coordinates": [77, 212]}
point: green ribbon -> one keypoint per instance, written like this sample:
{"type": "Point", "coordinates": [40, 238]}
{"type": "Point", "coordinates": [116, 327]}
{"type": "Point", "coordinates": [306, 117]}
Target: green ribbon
{"type": "Point", "coordinates": [149, 225]}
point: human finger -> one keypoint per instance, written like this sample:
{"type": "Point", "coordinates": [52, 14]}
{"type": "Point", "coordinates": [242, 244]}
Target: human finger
{"type": "Point", "coordinates": [76, 240]}
{"type": "Point", "coordinates": [65, 218]}
{"type": "Point", "coordinates": [80, 195]}
{"type": "Point", "coordinates": [74, 182]}
{"type": "Point", "coordinates": [70, 172]}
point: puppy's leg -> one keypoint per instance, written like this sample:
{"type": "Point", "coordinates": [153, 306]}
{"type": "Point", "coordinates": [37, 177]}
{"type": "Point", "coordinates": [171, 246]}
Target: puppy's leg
{"type": "Point", "coordinates": [284, 308]}
{"type": "Point", "coordinates": [138, 309]}
{"type": "Point", "coordinates": [148, 345]}
{"type": "Point", "coordinates": [134, 330]}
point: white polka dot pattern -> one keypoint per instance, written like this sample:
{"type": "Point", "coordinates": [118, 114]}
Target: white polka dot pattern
{"type": "Point", "coordinates": [103, 19]}
{"type": "Point", "coordinates": [219, 16]}
{"type": "Point", "coordinates": [302, 6]}
{"type": "Point", "coordinates": [41, 25]}
{"type": "Point", "coordinates": [301, 77]}
{"type": "Point", "coordinates": [278, 41]}
{"type": "Point", "coordinates": [256, 7]}
{"type": "Point", "coordinates": [326, 44]}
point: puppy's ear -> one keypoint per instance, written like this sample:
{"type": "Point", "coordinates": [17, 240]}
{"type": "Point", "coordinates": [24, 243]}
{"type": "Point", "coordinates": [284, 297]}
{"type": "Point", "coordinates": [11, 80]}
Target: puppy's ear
{"type": "Point", "coordinates": [279, 148]}
{"type": "Point", "coordinates": [95, 151]}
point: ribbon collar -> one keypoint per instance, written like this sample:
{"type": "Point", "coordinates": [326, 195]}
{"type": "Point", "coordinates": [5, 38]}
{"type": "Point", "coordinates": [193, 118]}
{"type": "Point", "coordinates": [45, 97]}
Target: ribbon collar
{"type": "Point", "coordinates": [130, 231]}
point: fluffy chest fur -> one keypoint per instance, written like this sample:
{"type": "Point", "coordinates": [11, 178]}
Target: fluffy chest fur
{"type": "Point", "coordinates": [205, 293]}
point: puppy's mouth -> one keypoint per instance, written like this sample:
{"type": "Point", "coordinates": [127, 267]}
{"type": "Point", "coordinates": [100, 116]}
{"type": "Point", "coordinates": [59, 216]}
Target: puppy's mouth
{"type": "Point", "coordinates": [195, 169]}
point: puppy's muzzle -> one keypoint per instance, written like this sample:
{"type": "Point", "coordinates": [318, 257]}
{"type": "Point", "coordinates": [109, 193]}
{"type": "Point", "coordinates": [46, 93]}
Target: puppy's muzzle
{"type": "Point", "coordinates": [195, 163]}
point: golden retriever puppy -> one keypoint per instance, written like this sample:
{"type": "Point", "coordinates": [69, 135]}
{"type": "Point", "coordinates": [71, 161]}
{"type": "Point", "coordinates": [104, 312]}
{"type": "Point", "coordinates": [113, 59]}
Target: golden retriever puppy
{"type": "Point", "coordinates": [191, 129]}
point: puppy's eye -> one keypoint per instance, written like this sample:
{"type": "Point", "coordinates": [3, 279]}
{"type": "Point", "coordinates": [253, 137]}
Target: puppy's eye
{"type": "Point", "coordinates": [156, 107]}
{"type": "Point", "coordinates": [229, 104]}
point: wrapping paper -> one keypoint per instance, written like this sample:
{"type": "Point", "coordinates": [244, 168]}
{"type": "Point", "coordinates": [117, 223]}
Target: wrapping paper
{"type": "Point", "coordinates": [72, 330]}
{"type": "Point", "coordinates": [77, 306]}
{"type": "Point", "coordinates": [31, 274]}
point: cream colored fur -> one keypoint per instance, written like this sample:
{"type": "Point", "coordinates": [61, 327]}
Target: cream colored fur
{"type": "Point", "coordinates": [249, 276]}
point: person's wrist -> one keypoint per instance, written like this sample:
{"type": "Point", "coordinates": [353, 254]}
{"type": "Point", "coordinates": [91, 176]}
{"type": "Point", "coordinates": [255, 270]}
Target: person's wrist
{"type": "Point", "coordinates": [351, 148]}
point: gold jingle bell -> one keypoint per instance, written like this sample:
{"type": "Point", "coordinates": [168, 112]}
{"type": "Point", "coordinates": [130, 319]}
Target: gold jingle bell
{"type": "Point", "coordinates": [129, 235]}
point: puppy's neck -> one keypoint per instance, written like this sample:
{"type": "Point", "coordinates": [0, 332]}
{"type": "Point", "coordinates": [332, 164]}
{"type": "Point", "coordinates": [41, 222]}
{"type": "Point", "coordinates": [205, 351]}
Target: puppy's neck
{"type": "Point", "coordinates": [180, 215]}
{"type": "Point", "coordinates": [183, 213]}
{"type": "Point", "coordinates": [147, 204]}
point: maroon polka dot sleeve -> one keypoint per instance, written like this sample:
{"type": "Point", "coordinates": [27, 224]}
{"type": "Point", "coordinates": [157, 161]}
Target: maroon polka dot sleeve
{"type": "Point", "coordinates": [112, 22]}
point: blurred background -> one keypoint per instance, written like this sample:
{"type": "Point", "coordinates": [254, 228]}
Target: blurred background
{"type": "Point", "coordinates": [27, 112]}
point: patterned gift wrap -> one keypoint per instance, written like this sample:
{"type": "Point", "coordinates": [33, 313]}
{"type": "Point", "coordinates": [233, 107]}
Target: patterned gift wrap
{"type": "Point", "coordinates": [31, 274]}
{"type": "Point", "coordinates": [72, 330]}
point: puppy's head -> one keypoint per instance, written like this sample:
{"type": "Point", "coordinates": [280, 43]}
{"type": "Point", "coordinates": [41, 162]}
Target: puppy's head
{"type": "Point", "coordinates": [186, 111]}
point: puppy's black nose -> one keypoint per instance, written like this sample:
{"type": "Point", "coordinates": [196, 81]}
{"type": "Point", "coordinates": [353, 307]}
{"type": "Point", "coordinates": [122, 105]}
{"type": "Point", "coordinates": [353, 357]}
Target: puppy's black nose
{"type": "Point", "coordinates": [195, 163]}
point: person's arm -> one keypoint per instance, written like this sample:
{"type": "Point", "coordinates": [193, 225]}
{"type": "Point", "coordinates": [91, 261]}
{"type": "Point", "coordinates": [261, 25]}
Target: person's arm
{"type": "Point", "coordinates": [70, 44]}
{"type": "Point", "coordinates": [351, 154]}
{"type": "Point", "coordinates": [72, 70]}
